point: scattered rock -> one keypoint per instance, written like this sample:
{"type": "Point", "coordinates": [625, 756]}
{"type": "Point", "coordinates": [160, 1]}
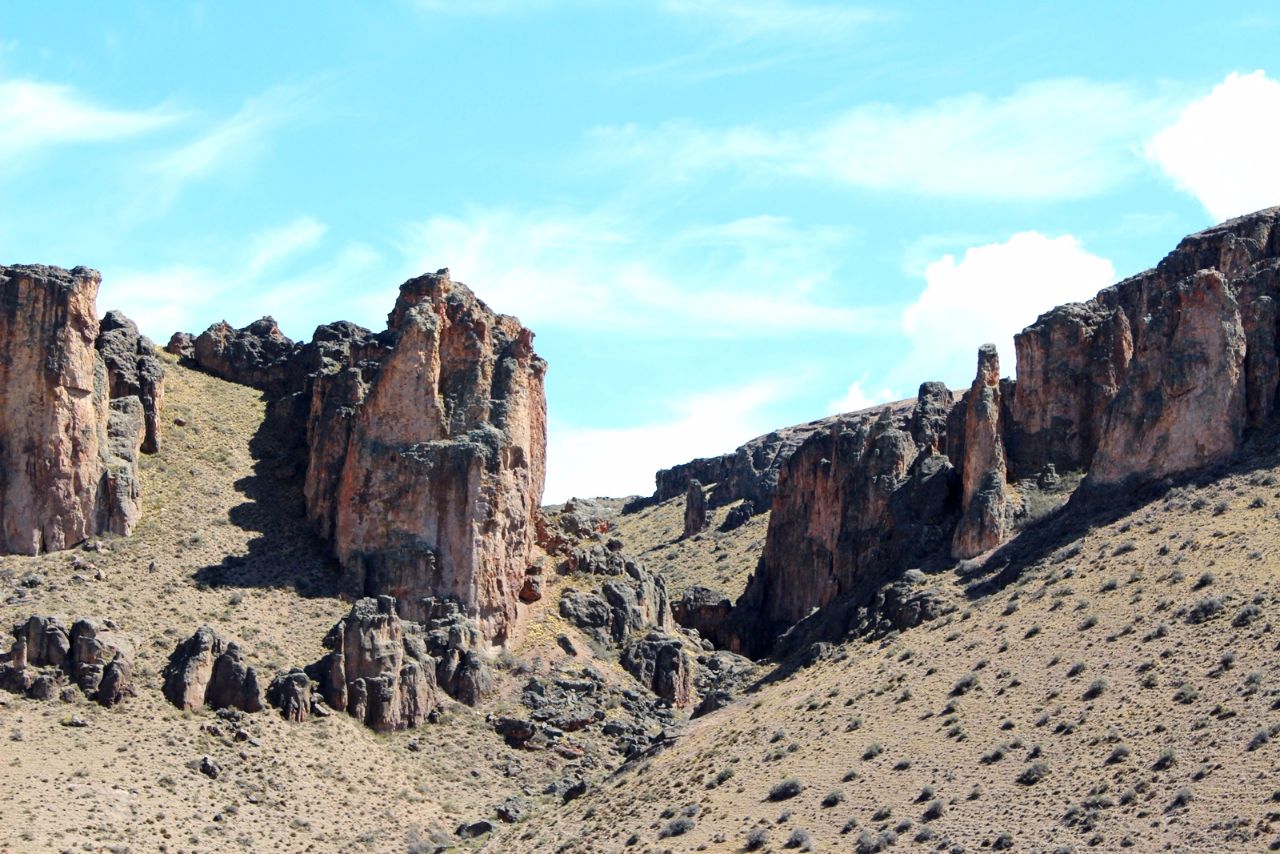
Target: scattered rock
{"type": "Point", "coordinates": [94, 655]}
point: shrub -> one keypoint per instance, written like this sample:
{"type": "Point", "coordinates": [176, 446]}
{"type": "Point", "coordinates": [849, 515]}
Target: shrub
{"type": "Point", "coordinates": [788, 788]}
{"type": "Point", "coordinates": [1203, 581]}
{"type": "Point", "coordinates": [873, 750]}
{"type": "Point", "coordinates": [1095, 689]}
{"type": "Point", "coordinates": [934, 810]}
{"type": "Point", "coordinates": [833, 798]}
{"type": "Point", "coordinates": [1181, 798]}
{"type": "Point", "coordinates": [1204, 610]}
{"type": "Point", "coordinates": [1260, 738]}
{"type": "Point", "coordinates": [676, 827]}
{"type": "Point", "coordinates": [1034, 773]}
{"type": "Point", "coordinates": [1118, 754]}
{"type": "Point", "coordinates": [1076, 670]}
{"type": "Point", "coordinates": [1247, 615]}
{"type": "Point", "coordinates": [799, 839]}
{"type": "Point", "coordinates": [964, 684]}
{"type": "Point", "coordinates": [1167, 759]}
{"type": "Point", "coordinates": [756, 839]}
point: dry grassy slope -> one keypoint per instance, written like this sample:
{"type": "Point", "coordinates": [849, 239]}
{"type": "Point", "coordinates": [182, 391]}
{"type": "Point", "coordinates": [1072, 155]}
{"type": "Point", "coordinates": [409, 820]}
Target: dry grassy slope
{"type": "Point", "coordinates": [231, 549]}
{"type": "Point", "coordinates": [721, 561]}
{"type": "Point", "coordinates": [867, 732]}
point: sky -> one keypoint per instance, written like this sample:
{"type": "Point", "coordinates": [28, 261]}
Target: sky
{"type": "Point", "coordinates": [719, 217]}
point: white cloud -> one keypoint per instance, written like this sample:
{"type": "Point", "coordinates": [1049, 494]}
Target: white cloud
{"type": "Point", "coordinates": [589, 461]}
{"type": "Point", "coordinates": [992, 292]}
{"type": "Point", "coordinates": [760, 276]}
{"type": "Point", "coordinates": [1222, 149]}
{"type": "Point", "coordinates": [1053, 139]}
{"type": "Point", "coordinates": [35, 115]}
{"type": "Point", "coordinates": [857, 398]}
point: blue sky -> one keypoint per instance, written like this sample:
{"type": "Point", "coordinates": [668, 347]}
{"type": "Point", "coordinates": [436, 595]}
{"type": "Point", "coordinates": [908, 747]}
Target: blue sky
{"type": "Point", "coordinates": [718, 217]}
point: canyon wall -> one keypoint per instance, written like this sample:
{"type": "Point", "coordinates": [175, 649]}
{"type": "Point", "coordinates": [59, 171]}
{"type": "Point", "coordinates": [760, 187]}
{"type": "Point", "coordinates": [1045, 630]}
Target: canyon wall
{"type": "Point", "coordinates": [1159, 375]}
{"type": "Point", "coordinates": [69, 445]}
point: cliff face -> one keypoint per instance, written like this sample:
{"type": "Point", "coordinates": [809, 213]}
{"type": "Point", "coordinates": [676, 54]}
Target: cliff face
{"type": "Point", "coordinates": [68, 451]}
{"type": "Point", "coordinates": [425, 445]}
{"type": "Point", "coordinates": [1161, 374]}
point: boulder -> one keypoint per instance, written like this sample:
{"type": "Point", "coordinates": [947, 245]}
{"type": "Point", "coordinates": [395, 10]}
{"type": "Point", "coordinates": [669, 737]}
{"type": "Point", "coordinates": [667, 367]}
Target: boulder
{"type": "Point", "coordinates": [738, 515]}
{"type": "Point", "coordinates": [207, 670]}
{"type": "Point", "coordinates": [375, 670]}
{"type": "Point", "coordinates": [695, 508]}
{"type": "Point", "coordinates": [704, 610]}
{"type": "Point", "coordinates": [659, 661]}
{"type": "Point", "coordinates": [182, 345]}
{"type": "Point", "coordinates": [60, 483]}
{"type": "Point", "coordinates": [291, 693]}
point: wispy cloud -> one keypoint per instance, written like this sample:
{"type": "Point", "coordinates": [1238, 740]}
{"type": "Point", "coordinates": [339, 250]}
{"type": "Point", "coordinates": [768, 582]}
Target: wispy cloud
{"type": "Point", "coordinates": [1222, 147]}
{"type": "Point", "coordinates": [36, 115]}
{"type": "Point", "coordinates": [742, 20]}
{"type": "Point", "coordinates": [1054, 139]}
{"type": "Point", "coordinates": [762, 276]}
{"type": "Point", "coordinates": [277, 244]}
{"type": "Point", "coordinates": [591, 461]}
{"type": "Point", "coordinates": [228, 145]}
{"type": "Point", "coordinates": [857, 397]}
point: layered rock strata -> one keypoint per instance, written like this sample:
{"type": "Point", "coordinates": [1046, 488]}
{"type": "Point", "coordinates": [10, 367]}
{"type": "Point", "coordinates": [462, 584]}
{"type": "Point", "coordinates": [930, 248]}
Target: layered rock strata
{"type": "Point", "coordinates": [68, 450]}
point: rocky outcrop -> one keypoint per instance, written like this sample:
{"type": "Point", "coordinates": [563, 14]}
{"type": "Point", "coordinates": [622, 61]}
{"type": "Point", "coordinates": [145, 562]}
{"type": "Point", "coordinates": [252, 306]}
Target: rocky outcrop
{"type": "Point", "coordinates": [424, 446]}
{"type": "Point", "coordinates": [983, 504]}
{"type": "Point", "coordinates": [660, 661]}
{"type": "Point", "coordinates": [291, 693]}
{"type": "Point", "coordinates": [133, 370]}
{"type": "Point", "coordinates": [259, 355]}
{"type": "Point", "coordinates": [205, 670]}
{"type": "Point", "coordinates": [93, 655]}
{"type": "Point", "coordinates": [695, 509]}
{"type": "Point", "coordinates": [1184, 403]}
{"type": "Point", "coordinates": [704, 610]}
{"type": "Point", "coordinates": [68, 452]}
{"type": "Point", "coordinates": [1158, 376]}
{"type": "Point", "coordinates": [854, 507]}
{"type": "Point", "coordinates": [631, 600]}
{"type": "Point", "coordinates": [376, 671]}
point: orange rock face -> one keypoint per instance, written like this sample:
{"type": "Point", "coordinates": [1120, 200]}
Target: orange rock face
{"type": "Point", "coordinates": [66, 453]}
{"type": "Point", "coordinates": [983, 524]}
{"type": "Point", "coordinates": [428, 473]}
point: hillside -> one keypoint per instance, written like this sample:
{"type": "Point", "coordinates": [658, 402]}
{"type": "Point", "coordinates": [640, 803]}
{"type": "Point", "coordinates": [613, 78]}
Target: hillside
{"type": "Point", "coordinates": [1134, 664]}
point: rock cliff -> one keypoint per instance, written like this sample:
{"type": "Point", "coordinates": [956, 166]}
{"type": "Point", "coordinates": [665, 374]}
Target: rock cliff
{"type": "Point", "coordinates": [68, 445]}
{"type": "Point", "coordinates": [425, 445]}
{"type": "Point", "coordinates": [1157, 376]}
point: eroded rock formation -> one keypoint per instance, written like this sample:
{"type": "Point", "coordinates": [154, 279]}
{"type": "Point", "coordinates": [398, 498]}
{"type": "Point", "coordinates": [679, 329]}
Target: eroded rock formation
{"type": "Point", "coordinates": [983, 497]}
{"type": "Point", "coordinates": [660, 661]}
{"type": "Point", "coordinates": [376, 671]}
{"type": "Point", "coordinates": [695, 508]}
{"type": "Point", "coordinates": [207, 670]}
{"type": "Point", "coordinates": [93, 655]}
{"type": "Point", "coordinates": [1162, 374]}
{"type": "Point", "coordinates": [68, 451]}
{"type": "Point", "coordinates": [425, 445]}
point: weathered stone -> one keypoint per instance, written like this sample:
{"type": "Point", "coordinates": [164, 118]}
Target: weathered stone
{"type": "Point", "coordinates": [182, 345]}
{"type": "Point", "coordinates": [206, 670]}
{"type": "Point", "coordinates": [59, 481]}
{"type": "Point", "coordinates": [704, 610]}
{"type": "Point", "coordinates": [660, 662]}
{"type": "Point", "coordinates": [375, 671]}
{"type": "Point", "coordinates": [95, 655]}
{"type": "Point", "coordinates": [257, 355]}
{"type": "Point", "coordinates": [1183, 404]}
{"type": "Point", "coordinates": [695, 508]}
{"type": "Point", "coordinates": [133, 370]}
{"type": "Point", "coordinates": [531, 590]}
{"type": "Point", "coordinates": [738, 516]}
{"type": "Point", "coordinates": [983, 509]}
{"type": "Point", "coordinates": [291, 693]}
